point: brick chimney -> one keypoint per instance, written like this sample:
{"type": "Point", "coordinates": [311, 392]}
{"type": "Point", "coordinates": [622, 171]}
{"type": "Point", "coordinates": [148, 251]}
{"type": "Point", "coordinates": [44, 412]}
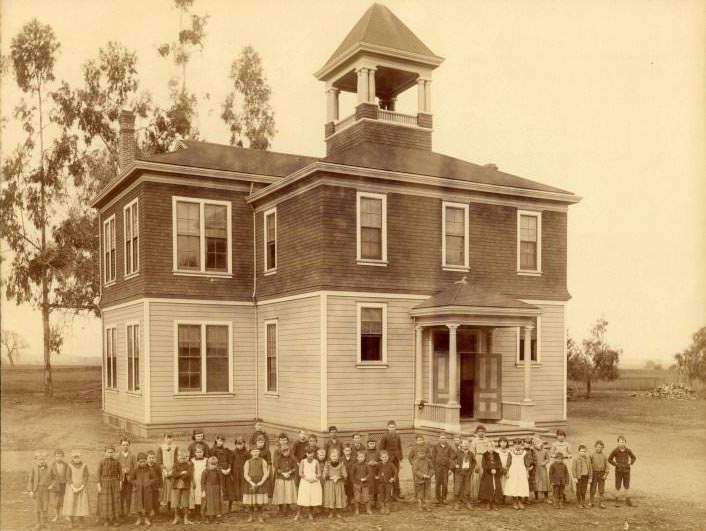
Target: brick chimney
{"type": "Point", "coordinates": [127, 144]}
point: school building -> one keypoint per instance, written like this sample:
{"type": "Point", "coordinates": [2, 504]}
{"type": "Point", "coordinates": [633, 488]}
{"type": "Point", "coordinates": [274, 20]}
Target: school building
{"type": "Point", "coordinates": [382, 281]}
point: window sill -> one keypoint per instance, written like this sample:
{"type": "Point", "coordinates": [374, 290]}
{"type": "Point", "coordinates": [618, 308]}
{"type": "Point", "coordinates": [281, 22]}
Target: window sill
{"type": "Point", "coordinates": [112, 390]}
{"type": "Point", "coordinates": [459, 269]}
{"type": "Point", "coordinates": [108, 284]}
{"type": "Point", "coordinates": [270, 395]}
{"type": "Point", "coordinates": [179, 273]}
{"type": "Point", "coordinates": [372, 365]}
{"type": "Point", "coordinates": [134, 393]}
{"type": "Point", "coordinates": [270, 272]}
{"type": "Point", "coordinates": [379, 263]}
{"type": "Point", "coordinates": [529, 273]}
{"type": "Point", "coordinates": [534, 364]}
{"type": "Point", "coordinates": [131, 275]}
{"type": "Point", "coordinates": [203, 395]}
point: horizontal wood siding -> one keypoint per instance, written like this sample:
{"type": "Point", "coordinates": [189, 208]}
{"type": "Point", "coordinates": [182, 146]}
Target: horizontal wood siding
{"type": "Point", "coordinates": [366, 398]}
{"type": "Point", "coordinates": [121, 403]}
{"type": "Point", "coordinates": [166, 406]}
{"type": "Point", "coordinates": [298, 401]}
{"type": "Point", "coordinates": [548, 378]}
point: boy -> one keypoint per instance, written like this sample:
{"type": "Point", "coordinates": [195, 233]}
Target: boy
{"type": "Point", "coordinates": [333, 442]}
{"type": "Point", "coordinates": [143, 499]}
{"type": "Point", "coordinates": [57, 485]}
{"type": "Point", "coordinates": [259, 432]}
{"type": "Point", "coordinates": [372, 457]}
{"type": "Point", "coordinates": [391, 442]}
{"type": "Point", "coordinates": [464, 464]}
{"type": "Point", "coordinates": [442, 458]}
{"type": "Point", "coordinates": [360, 474]}
{"type": "Point", "coordinates": [386, 481]}
{"type": "Point", "coordinates": [181, 476]}
{"type": "Point", "coordinates": [422, 472]}
{"type": "Point", "coordinates": [420, 444]}
{"type": "Point", "coordinates": [599, 471]}
{"type": "Point", "coordinates": [581, 468]}
{"type": "Point", "coordinates": [348, 460]}
{"type": "Point", "coordinates": [559, 478]}
{"type": "Point", "coordinates": [128, 463]}
{"type": "Point", "coordinates": [622, 459]}
{"type": "Point", "coordinates": [299, 450]}
{"type": "Point", "coordinates": [38, 487]}
{"type": "Point", "coordinates": [167, 456]}
{"type": "Point", "coordinates": [156, 475]}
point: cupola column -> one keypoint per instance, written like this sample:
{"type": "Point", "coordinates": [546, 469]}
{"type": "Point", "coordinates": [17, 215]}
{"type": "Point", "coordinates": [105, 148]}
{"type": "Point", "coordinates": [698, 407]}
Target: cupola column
{"type": "Point", "coordinates": [424, 95]}
{"type": "Point", "coordinates": [362, 84]}
{"type": "Point", "coordinates": [332, 104]}
{"type": "Point", "coordinates": [371, 85]}
{"type": "Point", "coordinates": [427, 96]}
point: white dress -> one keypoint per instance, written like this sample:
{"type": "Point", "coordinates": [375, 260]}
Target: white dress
{"type": "Point", "coordinates": [504, 454]}
{"type": "Point", "coordinates": [199, 467]}
{"type": "Point", "coordinates": [516, 484]}
{"type": "Point", "coordinates": [309, 494]}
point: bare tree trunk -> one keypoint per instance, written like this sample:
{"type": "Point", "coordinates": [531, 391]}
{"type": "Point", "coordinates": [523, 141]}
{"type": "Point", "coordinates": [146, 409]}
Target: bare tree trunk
{"type": "Point", "coordinates": [588, 387]}
{"type": "Point", "coordinates": [9, 357]}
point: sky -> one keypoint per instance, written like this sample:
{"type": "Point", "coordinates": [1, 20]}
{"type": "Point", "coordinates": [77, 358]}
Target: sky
{"type": "Point", "coordinates": [600, 97]}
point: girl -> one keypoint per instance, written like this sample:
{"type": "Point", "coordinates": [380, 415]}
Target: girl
{"type": "Point", "coordinates": [541, 477]}
{"type": "Point", "coordinates": [57, 483]}
{"type": "Point", "coordinates": [212, 485]}
{"type": "Point", "coordinates": [490, 490]}
{"type": "Point", "coordinates": [262, 444]}
{"type": "Point", "coordinates": [255, 473]}
{"type": "Point", "coordinates": [479, 447]}
{"type": "Point", "coordinates": [285, 472]}
{"type": "Point", "coordinates": [240, 456]}
{"type": "Point", "coordinates": [76, 499]}
{"type": "Point", "coordinates": [334, 496]}
{"type": "Point", "coordinates": [199, 462]}
{"type": "Point", "coordinates": [198, 438]}
{"type": "Point", "coordinates": [309, 494]}
{"type": "Point", "coordinates": [108, 487]}
{"type": "Point", "coordinates": [167, 455]}
{"type": "Point", "coordinates": [561, 445]}
{"type": "Point", "coordinates": [224, 457]}
{"type": "Point", "coordinates": [505, 459]}
{"type": "Point", "coordinates": [142, 480]}
{"type": "Point", "coordinates": [517, 485]}
{"type": "Point", "coordinates": [181, 476]}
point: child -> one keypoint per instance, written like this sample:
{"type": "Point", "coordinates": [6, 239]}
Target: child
{"type": "Point", "coordinates": [259, 433]}
{"type": "Point", "coordinates": [387, 474]}
{"type": "Point", "coordinates": [360, 477]}
{"type": "Point", "coordinates": [255, 473]}
{"type": "Point", "coordinates": [479, 447]}
{"type": "Point", "coordinates": [240, 456]}
{"type": "Point", "coordinates": [321, 458]}
{"type": "Point", "coordinates": [541, 478]}
{"type": "Point", "coordinates": [530, 465]}
{"type": "Point", "coordinates": [490, 490]}
{"type": "Point", "coordinates": [313, 442]}
{"type": "Point", "coordinates": [419, 444]}
{"type": "Point", "coordinates": [581, 469]}
{"type": "Point", "coordinates": [285, 473]}
{"type": "Point", "coordinates": [76, 499]}
{"type": "Point", "coordinates": [262, 445]}
{"type": "Point", "coordinates": [213, 486]}
{"type": "Point", "coordinates": [563, 446]}
{"type": "Point", "coordinates": [505, 459]}
{"type": "Point", "coordinates": [299, 450]}
{"type": "Point", "coordinates": [358, 445]}
{"type": "Point", "coordinates": [282, 442]}
{"type": "Point", "coordinates": [198, 439]}
{"type": "Point", "coordinates": [128, 463]}
{"type": "Point", "coordinates": [391, 442]}
{"type": "Point", "coordinates": [167, 455]}
{"type": "Point", "coordinates": [599, 472]}
{"type": "Point", "coordinates": [225, 466]}
{"type": "Point", "coordinates": [57, 483]}
{"type": "Point", "coordinates": [442, 459]}
{"type": "Point", "coordinates": [422, 472]}
{"type": "Point", "coordinates": [517, 485]}
{"type": "Point", "coordinates": [333, 442]}
{"type": "Point", "coordinates": [335, 474]}
{"type": "Point", "coordinates": [622, 459]}
{"type": "Point", "coordinates": [108, 488]}
{"type": "Point", "coordinates": [309, 494]}
{"type": "Point", "coordinates": [156, 475]}
{"type": "Point", "coordinates": [199, 462]}
{"type": "Point", "coordinates": [464, 465]}
{"type": "Point", "coordinates": [38, 487]}
{"type": "Point", "coordinates": [142, 480]}
{"type": "Point", "coordinates": [181, 481]}
{"type": "Point", "coordinates": [372, 457]}
{"type": "Point", "coordinates": [558, 477]}
{"type": "Point", "coordinates": [348, 460]}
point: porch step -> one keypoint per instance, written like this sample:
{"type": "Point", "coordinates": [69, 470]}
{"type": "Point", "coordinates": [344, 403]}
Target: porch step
{"type": "Point", "coordinates": [493, 430]}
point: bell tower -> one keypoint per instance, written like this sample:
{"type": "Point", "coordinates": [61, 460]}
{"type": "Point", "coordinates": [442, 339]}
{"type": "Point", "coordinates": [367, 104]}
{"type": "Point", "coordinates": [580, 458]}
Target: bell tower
{"type": "Point", "coordinates": [378, 60]}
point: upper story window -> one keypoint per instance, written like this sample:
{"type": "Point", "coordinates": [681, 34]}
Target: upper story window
{"type": "Point", "coordinates": [132, 341]}
{"type": "Point", "coordinates": [111, 359]}
{"type": "Point", "coordinates": [270, 233]}
{"type": "Point", "coordinates": [455, 236]}
{"type": "Point", "coordinates": [202, 236]}
{"type": "Point", "coordinates": [371, 228]}
{"type": "Point", "coordinates": [204, 358]}
{"type": "Point", "coordinates": [109, 260]}
{"type": "Point", "coordinates": [271, 346]}
{"type": "Point", "coordinates": [131, 235]}
{"type": "Point", "coordinates": [529, 242]}
{"type": "Point", "coordinates": [372, 333]}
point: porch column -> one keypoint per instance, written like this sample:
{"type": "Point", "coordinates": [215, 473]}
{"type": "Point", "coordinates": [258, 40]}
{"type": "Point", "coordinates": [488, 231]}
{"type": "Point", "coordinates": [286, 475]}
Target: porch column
{"type": "Point", "coordinates": [453, 365]}
{"type": "Point", "coordinates": [418, 364]}
{"type": "Point", "coordinates": [528, 363]}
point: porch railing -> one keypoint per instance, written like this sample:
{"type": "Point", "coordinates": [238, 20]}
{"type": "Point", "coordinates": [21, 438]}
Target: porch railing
{"type": "Point", "coordinates": [434, 413]}
{"type": "Point", "coordinates": [398, 117]}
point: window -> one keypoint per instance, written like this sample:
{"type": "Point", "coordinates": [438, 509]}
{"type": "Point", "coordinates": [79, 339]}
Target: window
{"type": "Point", "coordinates": [372, 333]}
{"type": "Point", "coordinates": [133, 356]}
{"type": "Point", "coordinates": [534, 345]}
{"type": "Point", "coordinates": [111, 359]}
{"type": "Point", "coordinates": [455, 236]}
{"type": "Point", "coordinates": [202, 236]}
{"type": "Point", "coordinates": [204, 358]}
{"type": "Point", "coordinates": [372, 228]}
{"type": "Point", "coordinates": [109, 265]}
{"type": "Point", "coordinates": [271, 345]}
{"type": "Point", "coordinates": [131, 234]}
{"type": "Point", "coordinates": [529, 242]}
{"type": "Point", "coordinates": [270, 240]}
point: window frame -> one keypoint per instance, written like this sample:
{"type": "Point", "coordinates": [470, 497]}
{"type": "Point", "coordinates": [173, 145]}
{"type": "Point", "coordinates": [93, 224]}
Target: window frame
{"type": "Point", "coordinates": [275, 392]}
{"type": "Point", "coordinates": [359, 255]}
{"type": "Point", "coordinates": [111, 374]}
{"type": "Point", "coordinates": [271, 211]}
{"type": "Point", "coordinates": [131, 364]}
{"type": "Point", "coordinates": [202, 271]}
{"type": "Point", "coordinates": [134, 241]}
{"type": "Point", "coordinates": [109, 224]}
{"type": "Point", "coordinates": [455, 267]}
{"type": "Point", "coordinates": [359, 311]}
{"type": "Point", "coordinates": [203, 346]}
{"type": "Point", "coordinates": [537, 339]}
{"type": "Point", "coordinates": [538, 215]}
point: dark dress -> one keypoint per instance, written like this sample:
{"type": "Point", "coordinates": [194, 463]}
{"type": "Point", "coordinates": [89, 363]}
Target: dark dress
{"type": "Point", "coordinates": [238, 465]}
{"type": "Point", "coordinates": [299, 450]}
{"type": "Point", "coordinates": [530, 465]}
{"type": "Point", "coordinates": [143, 480]}
{"type": "Point", "coordinates": [109, 473]}
{"type": "Point", "coordinates": [490, 488]}
{"type": "Point", "coordinates": [225, 461]}
{"type": "Point", "coordinates": [213, 484]}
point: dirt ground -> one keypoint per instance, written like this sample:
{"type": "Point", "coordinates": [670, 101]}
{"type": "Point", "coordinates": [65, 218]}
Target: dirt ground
{"type": "Point", "coordinates": [668, 437]}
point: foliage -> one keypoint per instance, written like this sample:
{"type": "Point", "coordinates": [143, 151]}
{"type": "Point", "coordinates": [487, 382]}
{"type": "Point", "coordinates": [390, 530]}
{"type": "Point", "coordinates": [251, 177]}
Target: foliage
{"type": "Point", "coordinates": [691, 362]}
{"type": "Point", "coordinates": [246, 109]}
{"type": "Point", "coordinates": [594, 359]}
{"type": "Point", "coordinates": [12, 345]}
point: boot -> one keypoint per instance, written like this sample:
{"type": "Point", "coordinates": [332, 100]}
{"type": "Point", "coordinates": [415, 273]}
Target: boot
{"type": "Point", "coordinates": [147, 521]}
{"type": "Point", "coordinates": [367, 508]}
{"type": "Point", "coordinates": [419, 505]}
{"type": "Point", "coordinates": [357, 509]}
{"type": "Point", "coordinates": [590, 501]}
{"type": "Point", "coordinates": [250, 517]}
{"type": "Point", "coordinates": [600, 503]}
{"type": "Point", "coordinates": [176, 519]}
{"type": "Point", "coordinates": [520, 506]}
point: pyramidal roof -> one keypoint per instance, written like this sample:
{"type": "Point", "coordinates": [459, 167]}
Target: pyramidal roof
{"type": "Point", "coordinates": [379, 28]}
{"type": "Point", "coordinates": [465, 293]}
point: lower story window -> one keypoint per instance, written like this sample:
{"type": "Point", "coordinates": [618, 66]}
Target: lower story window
{"type": "Point", "coordinates": [204, 358]}
{"type": "Point", "coordinates": [372, 333]}
{"type": "Point", "coordinates": [133, 357]}
{"type": "Point", "coordinates": [111, 359]}
{"type": "Point", "coordinates": [271, 327]}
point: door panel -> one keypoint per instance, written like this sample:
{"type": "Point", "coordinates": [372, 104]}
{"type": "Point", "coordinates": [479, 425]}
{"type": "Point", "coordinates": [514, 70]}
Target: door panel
{"type": "Point", "coordinates": [488, 386]}
{"type": "Point", "coordinates": [467, 376]}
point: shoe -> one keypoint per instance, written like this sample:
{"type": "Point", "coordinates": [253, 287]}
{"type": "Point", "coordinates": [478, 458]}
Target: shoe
{"type": "Point", "coordinates": [590, 504]}
{"type": "Point", "coordinates": [311, 516]}
{"type": "Point", "coordinates": [188, 522]}
{"type": "Point", "coordinates": [602, 505]}
{"type": "Point", "coordinates": [519, 504]}
{"type": "Point", "coordinates": [138, 522]}
{"type": "Point", "coordinates": [468, 506]}
{"type": "Point", "coordinates": [296, 517]}
{"type": "Point", "coordinates": [260, 519]}
{"type": "Point", "coordinates": [54, 520]}
{"type": "Point", "coordinates": [582, 506]}
{"type": "Point", "coordinates": [250, 517]}
{"type": "Point", "coordinates": [174, 522]}
{"type": "Point", "coordinates": [339, 515]}
{"type": "Point", "coordinates": [629, 503]}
